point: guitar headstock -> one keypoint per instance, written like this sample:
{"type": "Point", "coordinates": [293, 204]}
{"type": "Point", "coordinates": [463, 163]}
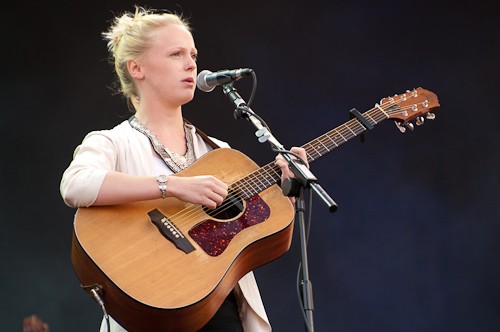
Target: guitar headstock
{"type": "Point", "coordinates": [409, 106]}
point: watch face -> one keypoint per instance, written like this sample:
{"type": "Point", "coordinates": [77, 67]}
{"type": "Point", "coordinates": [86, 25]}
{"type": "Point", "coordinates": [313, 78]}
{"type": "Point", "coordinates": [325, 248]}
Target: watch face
{"type": "Point", "coordinates": [162, 178]}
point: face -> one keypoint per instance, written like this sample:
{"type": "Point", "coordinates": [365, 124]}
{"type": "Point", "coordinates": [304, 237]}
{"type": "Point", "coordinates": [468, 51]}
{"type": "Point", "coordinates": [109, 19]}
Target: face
{"type": "Point", "coordinates": [168, 68]}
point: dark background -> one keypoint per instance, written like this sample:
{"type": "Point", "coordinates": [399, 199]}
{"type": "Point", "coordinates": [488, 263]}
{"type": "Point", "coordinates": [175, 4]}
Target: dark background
{"type": "Point", "coordinates": [414, 245]}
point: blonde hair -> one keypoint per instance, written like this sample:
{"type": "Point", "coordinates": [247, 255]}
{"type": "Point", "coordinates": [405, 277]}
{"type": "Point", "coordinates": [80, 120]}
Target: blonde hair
{"type": "Point", "coordinates": [128, 38]}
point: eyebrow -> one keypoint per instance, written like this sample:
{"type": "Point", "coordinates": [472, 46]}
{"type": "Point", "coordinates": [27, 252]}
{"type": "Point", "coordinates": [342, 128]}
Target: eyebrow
{"type": "Point", "coordinates": [182, 48]}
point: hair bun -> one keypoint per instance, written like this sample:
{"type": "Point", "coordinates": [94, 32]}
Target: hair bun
{"type": "Point", "coordinates": [121, 25]}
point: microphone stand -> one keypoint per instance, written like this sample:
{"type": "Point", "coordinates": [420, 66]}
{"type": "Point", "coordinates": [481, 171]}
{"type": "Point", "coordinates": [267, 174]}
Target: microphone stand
{"type": "Point", "coordinates": [304, 178]}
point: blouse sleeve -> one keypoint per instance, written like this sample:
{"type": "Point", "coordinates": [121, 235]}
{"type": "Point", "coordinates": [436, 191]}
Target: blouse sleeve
{"type": "Point", "coordinates": [92, 160]}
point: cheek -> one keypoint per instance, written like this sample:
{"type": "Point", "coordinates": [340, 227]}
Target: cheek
{"type": "Point", "coordinates": [162, 75]}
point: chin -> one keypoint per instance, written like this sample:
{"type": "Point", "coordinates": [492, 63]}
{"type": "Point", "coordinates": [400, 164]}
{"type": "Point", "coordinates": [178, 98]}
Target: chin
{"type": "Point", "coordinates": [186, 100]}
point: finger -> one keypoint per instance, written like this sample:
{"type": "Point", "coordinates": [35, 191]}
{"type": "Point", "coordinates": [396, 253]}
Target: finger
{"type": "Point", "coordinates": [281, 163]}
{"type": "Point", "coordinates": [302, 153]}
{"type": "Point", "coordinates": [213, 197]}
{"type": "Point", "coordinates": [213, 201]}
{"type": "Point", "coordinates": [213, 183]}
{"type": "Point", "coordinates": [217, 198]}
{"type": "Point", "coordinates": [211, 205]}
{"type": "Point", "coordinates": [220, 189]}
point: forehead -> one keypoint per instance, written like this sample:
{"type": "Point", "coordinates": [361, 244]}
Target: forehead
{"type": "Point", "coordinates": [171, 36]}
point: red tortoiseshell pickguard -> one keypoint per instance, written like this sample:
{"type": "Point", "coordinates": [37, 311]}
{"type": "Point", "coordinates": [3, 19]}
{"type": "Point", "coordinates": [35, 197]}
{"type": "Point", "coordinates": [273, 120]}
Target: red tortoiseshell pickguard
{"type": "Point", "coordinates": [214, 236]}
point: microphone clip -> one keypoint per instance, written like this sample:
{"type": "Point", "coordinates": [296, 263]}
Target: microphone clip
{"type": "Point", "coordinates": [242, 110]}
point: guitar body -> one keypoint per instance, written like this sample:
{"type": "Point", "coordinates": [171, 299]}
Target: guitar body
{"type": "Point", "coordinates": [150, 284]}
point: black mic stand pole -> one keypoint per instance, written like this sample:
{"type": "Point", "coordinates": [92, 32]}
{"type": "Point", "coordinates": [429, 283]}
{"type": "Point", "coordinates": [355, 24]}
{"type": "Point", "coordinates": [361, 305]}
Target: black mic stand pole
{"type": "Point", "coordinates": [292, 187]}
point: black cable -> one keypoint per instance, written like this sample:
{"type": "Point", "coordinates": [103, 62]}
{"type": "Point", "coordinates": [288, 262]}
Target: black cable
{"type": "Point", "coordinates": [292, 153]}
{"type": "Point", "coordinates": [254, 88]}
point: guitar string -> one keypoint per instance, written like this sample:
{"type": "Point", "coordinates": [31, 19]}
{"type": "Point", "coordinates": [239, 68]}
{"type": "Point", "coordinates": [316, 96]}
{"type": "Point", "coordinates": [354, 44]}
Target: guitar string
{"type": "Point", "coordinates": [249, 181]}
{"type": "Point", "coordinates": [237, 186]}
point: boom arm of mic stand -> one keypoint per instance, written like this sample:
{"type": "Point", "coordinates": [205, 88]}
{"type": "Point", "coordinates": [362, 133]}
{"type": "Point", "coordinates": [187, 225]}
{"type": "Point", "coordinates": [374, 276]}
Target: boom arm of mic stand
{"type": "Point", "coordinates": [301, 172]}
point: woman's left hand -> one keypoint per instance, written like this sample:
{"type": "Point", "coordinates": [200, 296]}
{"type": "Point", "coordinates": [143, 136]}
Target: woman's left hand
{"type": "Point", "coordinates": [283, 164]}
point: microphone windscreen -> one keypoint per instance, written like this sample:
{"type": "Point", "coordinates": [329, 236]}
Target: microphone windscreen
{"type": "Point", "coordinates": [201, 81]}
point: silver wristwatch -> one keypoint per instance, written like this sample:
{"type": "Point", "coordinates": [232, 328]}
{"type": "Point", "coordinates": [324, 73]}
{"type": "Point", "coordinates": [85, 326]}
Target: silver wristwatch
{"type": "Point", "coordinates": [162, 184]}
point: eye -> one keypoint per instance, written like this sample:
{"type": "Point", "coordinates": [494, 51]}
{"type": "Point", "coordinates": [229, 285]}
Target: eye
{"type": "Point", "coordinates": [194, 56]}
{"type": "Point", "coordinates": [176, 54]}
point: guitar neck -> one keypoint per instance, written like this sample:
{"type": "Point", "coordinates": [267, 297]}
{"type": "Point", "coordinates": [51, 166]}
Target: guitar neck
{"type": "Point", "coordinates": [270, 174]}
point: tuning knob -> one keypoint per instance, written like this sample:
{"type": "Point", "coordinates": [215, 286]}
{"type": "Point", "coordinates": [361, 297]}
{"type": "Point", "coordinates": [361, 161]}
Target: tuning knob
{"type": "Point", "coordinates": [430, 116]}
{"type": "Point", "coordinates": [410, 126]}
{"type": "Point", "coordinates": [400, 127]}
{"type": "Point", "coordinates": [420, 121]}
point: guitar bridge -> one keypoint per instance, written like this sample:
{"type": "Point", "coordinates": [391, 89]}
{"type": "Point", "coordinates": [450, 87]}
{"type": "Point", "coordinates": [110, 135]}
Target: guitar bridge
{"type": "Point", "coordinates": [170, 231]}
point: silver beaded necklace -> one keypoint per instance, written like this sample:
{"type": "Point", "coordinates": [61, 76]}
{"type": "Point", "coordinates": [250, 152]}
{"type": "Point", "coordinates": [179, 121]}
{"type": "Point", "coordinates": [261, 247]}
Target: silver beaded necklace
{"type": "Point", "coordinates": [174, 161]}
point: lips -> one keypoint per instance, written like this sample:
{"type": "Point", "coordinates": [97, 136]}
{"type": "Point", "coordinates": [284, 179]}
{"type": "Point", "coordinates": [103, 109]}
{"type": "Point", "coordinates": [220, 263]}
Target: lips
{"type": "Point", "coordinates": [188, 80]}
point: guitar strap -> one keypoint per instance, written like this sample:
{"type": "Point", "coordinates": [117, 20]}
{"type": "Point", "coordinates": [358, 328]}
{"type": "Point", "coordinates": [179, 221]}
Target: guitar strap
{"type": "Point", "coordinates": [205, 137]}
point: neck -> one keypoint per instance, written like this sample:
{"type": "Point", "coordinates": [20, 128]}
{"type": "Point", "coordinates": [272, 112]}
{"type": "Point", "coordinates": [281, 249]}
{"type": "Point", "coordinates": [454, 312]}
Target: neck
{"type": "Point", "coordinates": [161, 120]}
{"type": "Point", "coordinates": [166, 124]}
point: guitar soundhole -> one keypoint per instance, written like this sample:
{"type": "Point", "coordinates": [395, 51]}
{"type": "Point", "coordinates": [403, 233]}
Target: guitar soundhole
{"type": "Point", "coordinates": [231, 207]}
{"type": "Point", "coordinates": [214, 236]}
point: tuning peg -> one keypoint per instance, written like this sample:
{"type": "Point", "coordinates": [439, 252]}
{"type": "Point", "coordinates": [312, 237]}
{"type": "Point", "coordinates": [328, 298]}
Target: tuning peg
{"type": "Point", "coordinates": [430, 116]}
{"type": "Point", "coordinates": [410, 126]}
{"type": "Point", "coordinates": [420, 121]}
{"type": "Point", "coordinates": [400, 127]}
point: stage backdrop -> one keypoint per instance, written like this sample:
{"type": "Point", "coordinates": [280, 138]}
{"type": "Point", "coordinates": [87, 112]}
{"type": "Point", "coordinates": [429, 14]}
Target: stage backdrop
{"type": "Point", "coordinates": [414, 244]}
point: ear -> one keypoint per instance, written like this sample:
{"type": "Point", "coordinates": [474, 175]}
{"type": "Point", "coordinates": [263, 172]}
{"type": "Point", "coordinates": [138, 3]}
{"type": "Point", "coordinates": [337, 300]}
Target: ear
{"type": "Point", "coordinates": [134, 69]}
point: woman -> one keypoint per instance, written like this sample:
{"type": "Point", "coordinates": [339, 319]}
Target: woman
{"type": "Point", "coordinates": [155, 59]}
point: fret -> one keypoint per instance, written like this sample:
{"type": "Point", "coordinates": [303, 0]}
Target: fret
{"type": "Point", "coordinates": [351, 130]}
{"type": "Point", "coordinates": [332, 140]}
{"type": "Point", "coordinates": [260, 177]}
{"type": "Point", "coordinates": [370, 118]}
{"type": "Point", "coordinates": [311, 151]}
{"type": "Point", "coordinates": [321, 147]}
{"type": "Point", "coordinates": [316, 150]}
{"type": "Point", "coordinates": [345, 140]}
{"type": "Point", "coordinates": [269, 177]}
{"type": "Point", "coordinates": [326, 148]}
{"type": "Point", "coordinates": [358, 127]}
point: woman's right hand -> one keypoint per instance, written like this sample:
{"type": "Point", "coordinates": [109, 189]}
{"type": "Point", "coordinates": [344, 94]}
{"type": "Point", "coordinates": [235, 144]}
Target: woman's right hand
{"type": "Point", "coordinates": [204, 190]}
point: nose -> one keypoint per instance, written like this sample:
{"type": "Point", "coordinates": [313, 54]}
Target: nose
{"type": "Point", "coordinates": [191, 64]}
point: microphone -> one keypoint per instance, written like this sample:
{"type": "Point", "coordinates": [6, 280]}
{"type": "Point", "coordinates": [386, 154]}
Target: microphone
{"type": "Point", "coordinates": [207, 81]}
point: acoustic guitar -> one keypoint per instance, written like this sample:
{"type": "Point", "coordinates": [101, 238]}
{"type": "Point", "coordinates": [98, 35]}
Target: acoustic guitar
{"type": "Point", "coordinates": [168, 265]}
